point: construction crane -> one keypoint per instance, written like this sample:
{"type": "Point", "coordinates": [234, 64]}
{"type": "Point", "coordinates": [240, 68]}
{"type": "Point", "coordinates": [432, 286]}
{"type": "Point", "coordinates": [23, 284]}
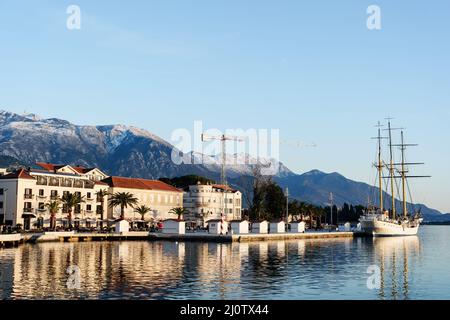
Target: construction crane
{"type": "Point", "coordinates": [223, 175]}
{"type": "Point", "coordinates": [223, 139]}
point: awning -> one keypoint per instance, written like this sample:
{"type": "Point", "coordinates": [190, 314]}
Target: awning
{"type": "Point", "coordinates": [28, 215]}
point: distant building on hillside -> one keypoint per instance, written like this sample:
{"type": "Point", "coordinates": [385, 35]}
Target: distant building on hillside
{"type": "Point", "coordinates": [207, 202]}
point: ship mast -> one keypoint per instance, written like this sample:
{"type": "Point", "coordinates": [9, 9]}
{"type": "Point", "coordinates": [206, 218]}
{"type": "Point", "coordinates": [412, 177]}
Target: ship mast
{"type": "Point", "coordinates": [391, 171]}
{"type": "Point", "coordinates": [403, 174]}
{"type": "Point", "coordinates": [380, 168]}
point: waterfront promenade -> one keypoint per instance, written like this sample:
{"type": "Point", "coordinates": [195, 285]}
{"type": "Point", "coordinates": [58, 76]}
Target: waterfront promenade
{"type": "Point", "coordinates": [16, 239]}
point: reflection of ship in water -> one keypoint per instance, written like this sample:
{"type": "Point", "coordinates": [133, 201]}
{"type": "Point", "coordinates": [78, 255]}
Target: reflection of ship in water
{"type": "Point", "coordinates": [395, 258]}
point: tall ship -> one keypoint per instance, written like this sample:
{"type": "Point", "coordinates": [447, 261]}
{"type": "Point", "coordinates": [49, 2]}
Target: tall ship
{"type": "Point", "coordinates": [384, 222]}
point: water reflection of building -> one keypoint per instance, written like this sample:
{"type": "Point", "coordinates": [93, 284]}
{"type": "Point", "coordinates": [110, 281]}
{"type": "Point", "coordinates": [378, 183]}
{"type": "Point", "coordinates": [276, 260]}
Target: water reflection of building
{"type": "Point", "coordinates": [39, 271]}
{"type": "Point", "coordinates": [394, 256]}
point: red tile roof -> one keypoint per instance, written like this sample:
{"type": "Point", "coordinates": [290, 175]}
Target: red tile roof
{"type": "Point", "coordinates": [82, 169]}
{"type": "Point", "coordinates": [19, 174]}
{"type": "Point", "coordinates": [54, 167]}
{"type": "Point", "coordinates": [50, 166]}
{"type": "Point", "coordinates": [142, 184]}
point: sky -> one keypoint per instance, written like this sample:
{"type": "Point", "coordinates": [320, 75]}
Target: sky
{"type": "Point", "coordinates": [311, 69]}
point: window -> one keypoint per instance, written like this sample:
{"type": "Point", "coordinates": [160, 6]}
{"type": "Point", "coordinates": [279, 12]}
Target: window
{"type": "Point", "coordinates": [65, 208]}
{"type": "Point", "coordinates": [41, 206]}
{"type": "Point", "coordinates": [88, 195]}
{"type": "Point", "coordinates": [78, 208]}
{"type": "Point", "coordinates": [88, 207]}
{"type": "Point", "coordinates": [27, 207]}
{"type": "Point", "coordinates": [54, 194]}
{"type": "Point", "coordinates": [28, 193]}
{"type": "Point", "coordinates": [1, 191]}
{"type": "Point", "coordinates": [41, 192]}
{"type": "Point", "coordinates": [1, 206]}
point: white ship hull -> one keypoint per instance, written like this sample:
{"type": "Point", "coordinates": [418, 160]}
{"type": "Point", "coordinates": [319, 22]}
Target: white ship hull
{"type": "Point", "coordinates": [384, 228]}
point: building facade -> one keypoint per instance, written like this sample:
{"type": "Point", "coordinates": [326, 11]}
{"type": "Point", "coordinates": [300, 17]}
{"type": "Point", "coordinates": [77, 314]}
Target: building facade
{"type": "Point", "coordinates": [25, 193]}
{"type": "Point", "coordinates": [208, 201]}
{"type": "Point", "coordinates": [160, 197]}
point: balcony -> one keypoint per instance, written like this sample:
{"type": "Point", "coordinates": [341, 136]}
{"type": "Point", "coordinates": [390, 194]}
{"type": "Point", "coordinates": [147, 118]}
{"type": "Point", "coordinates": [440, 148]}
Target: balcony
{"type": "Point", "coordinates": [41, 209]}
{"type": "Point", "coordinates": [54, 197]}
{"type": "Point", "coordinates": [28, 210]}
{"type": "Point", "coordinates": [41, 181]}
{"type": "Point", "coordinates": [41, 196]}
{"type": "Point", "coordinates": [54, 182]}
{"type": "Point", "coordinates": [28, 196]}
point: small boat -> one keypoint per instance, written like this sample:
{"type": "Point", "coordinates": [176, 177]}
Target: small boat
{"type": "Point", "coordinates": [386, 223]}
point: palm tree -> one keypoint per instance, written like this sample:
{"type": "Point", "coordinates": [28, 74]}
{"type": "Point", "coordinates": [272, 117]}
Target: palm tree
{"type": "Point", "coordinates": [122, 199]}
{"type": "Point", "coordinates": [101, 194]}
{"type": "Point", "coordinates": [70, 201]}
{"type": "Point", "coordinates": [142, 210]}
{"type": "Point", "coordinates": [53, 207]}
{"type": "Point", "coordinates": [179, 211]}
{"type": "Point", "coordinates": [303, 208]}
{"type": "Point", "coordinates": [319, 213]}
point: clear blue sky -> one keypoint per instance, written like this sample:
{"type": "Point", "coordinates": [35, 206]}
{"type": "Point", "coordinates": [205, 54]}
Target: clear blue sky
{"type": "Point", "coordinates": [310, 68]}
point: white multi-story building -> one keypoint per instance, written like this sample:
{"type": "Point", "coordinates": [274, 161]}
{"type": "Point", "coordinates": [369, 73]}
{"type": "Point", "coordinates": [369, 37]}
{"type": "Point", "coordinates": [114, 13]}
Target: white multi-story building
{"type": "Point", "coordinates": [25, 193]}
{"type": "Point", "coordinates": [160, 197]}
{"type": "Point", "coordinates": [208, 201]}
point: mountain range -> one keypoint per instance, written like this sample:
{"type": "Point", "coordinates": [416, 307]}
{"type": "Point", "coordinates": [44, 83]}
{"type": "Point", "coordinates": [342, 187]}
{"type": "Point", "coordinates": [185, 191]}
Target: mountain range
{"type": "Point", "coordinates": [134, 152]}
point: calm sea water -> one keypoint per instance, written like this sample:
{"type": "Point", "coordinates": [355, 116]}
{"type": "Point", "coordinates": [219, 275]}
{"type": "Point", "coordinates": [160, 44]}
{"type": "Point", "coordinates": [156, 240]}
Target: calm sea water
{"type": "Point", "coordinates": [409, 268]}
